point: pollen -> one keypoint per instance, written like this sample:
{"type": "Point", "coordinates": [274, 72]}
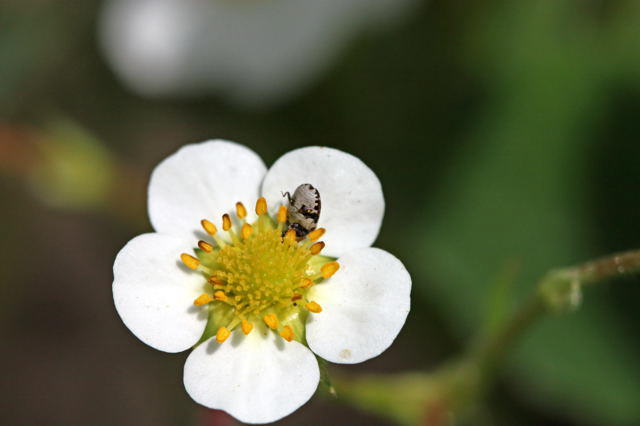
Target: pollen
{"type": "Point", "coordinates": [190, 261]}
{"type": "Point", "coordinates": [328, 269]}
{"type": "Point", "coordinates": [261, 206]}
{"type": "Point", "coordinates": [203, 299]}
{"type": "Point", "coordinates": [314, 307]}
{"type": "Point", "coordinates": [316, 234]}
{"type": "Point", "coordinates": [306, 283]}
{"type": "Point", "coordinates": [246, 327]}
{"type": "Point", "coordinates": [247, 230]}
{"type": "Point", "coordinates": [226, 222]}
{"type": "Point", "coordinates": [209, 227]}
{"type": "Point", "coordinates": [258, 275]}
{"type": "Point", "coordinates": [271, 320]}
{"type": "Point", "coordinates": [241, 211]}
{"type": "Point", "coordinates": [316, 248]}
{"type": "Point", "coordinates": [287, 333]}
{"type": "Point", "coordinates": [205, 246]}
{"type": "Point", "coordinates": [222, 334]}
{"type": "Point", "coordinates": [282, 214]}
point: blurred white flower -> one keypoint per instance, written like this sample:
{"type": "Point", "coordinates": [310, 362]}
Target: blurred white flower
{"type": "Point", "coordinates": [275, 298]}
{"type": "Point", "coordinates": [253, 51]}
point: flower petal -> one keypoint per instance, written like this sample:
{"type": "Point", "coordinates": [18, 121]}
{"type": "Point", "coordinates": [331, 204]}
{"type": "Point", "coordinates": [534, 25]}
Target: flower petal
{"type": "Point", "coordinates": [154, 293]}
{"type": "Point", "coordinates": [365, 304]}
{"type": "Point", "coordinates": [352, 204]}
{"type": "Point", "coordinates": [258, 378]}
{"type": "Point", "coordinates": [200, 181]}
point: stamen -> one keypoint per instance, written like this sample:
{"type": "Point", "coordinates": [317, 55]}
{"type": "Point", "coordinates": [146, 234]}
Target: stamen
{"type": "Point", "coordinates": [246, 327]}
{"type": "Point", "coordinates": [271, 320]}
{"type": "Point", "coordinates": [316, 234]}
{"type": "Point", "coordinates": [246, 231]}
{"type": "Point", "coordinates": [328, 269]}
{"type": "Point", "coordinates": [216, 281]}
{"type": "Point", "coordinates": [203, 299]}
{"type": "Point", "coordinates": [287, 333]}
{"type": "Point", "coordinates": [226, 222]}
{"type": "Point", "coordinates": [261, 206]}
{"type": "Point", "coordinates": [219, 295]}
{"type": "Point", "coordinates": [222, 334]}
{"type": "Point", "coordinates": [296, 297]}
{"type": "Point", "coordinates": [205, 246]}
{"type": "Point", "coordinates": [314, 307]}
{"type": "Point", "coordinates": [290, 236]}
{"type": "Point", "coordinates": [240, 210]}
{"type": "Point", "coordinates": [190, 261]}
{"type": "Point", "coordinates": [282, 214]}
{"type": "Point", "coordinates": [209, 227]}
{"type": "Point", "coordinates": [306, 283]}
{"type": "Point", "coordinates": [316, 248]}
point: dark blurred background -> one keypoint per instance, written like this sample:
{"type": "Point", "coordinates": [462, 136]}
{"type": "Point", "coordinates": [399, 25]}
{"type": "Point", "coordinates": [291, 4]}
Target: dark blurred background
{"type": "Point", "coordinates": [504, 134]}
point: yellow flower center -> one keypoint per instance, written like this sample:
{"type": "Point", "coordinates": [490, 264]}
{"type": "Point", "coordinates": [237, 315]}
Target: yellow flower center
{"type": "Point", "coordinates": [261, 274]}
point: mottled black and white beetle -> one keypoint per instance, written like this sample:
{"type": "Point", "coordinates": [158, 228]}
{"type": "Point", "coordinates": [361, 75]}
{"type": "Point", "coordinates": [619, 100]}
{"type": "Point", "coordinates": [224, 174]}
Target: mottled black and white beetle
{"type": "Point", "coordinates": [304, 209]}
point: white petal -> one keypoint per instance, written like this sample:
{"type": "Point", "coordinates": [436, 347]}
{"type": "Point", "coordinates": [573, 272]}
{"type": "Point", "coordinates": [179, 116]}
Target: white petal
{"type": "Point", "coordinates": [200, 181]}
{"type": "Point", "coordinates": [154, 293]}
{"type": "Point", "coordinates": [258, 378]}
{"type": "Point", "coordinates": [352, 205]}
{"type": "Point", "coordinates": [365, 304]}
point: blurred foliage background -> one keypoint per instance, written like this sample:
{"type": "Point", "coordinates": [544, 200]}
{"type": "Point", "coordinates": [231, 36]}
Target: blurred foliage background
{"type": "Point", "coordinates": [505, 137]}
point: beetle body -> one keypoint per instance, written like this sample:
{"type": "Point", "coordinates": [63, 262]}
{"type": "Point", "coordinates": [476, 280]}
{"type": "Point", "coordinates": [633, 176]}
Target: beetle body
{"type": "Point", "coordinates": [303, 211]}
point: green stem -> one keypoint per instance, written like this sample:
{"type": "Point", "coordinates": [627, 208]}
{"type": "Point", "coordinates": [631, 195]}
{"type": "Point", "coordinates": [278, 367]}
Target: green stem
{"type": "Point", "coordinates": [559, 290]}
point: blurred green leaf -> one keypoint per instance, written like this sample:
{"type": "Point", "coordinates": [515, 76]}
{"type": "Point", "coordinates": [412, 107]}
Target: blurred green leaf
{"type": "Point", "coordinates": [518, 194]}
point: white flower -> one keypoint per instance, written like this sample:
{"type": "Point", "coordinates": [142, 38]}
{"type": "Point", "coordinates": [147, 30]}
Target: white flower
{"type": "Point", "coordinates": [257, 301]}
{"type": "Point", "coordinates": [254, 52]}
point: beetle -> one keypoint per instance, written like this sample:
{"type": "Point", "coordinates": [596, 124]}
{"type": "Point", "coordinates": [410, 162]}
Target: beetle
{"type": "Point", "coordinates": [303, 211]}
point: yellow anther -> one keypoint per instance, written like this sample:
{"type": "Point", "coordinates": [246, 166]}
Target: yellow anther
{"type": "Point", "coordinates": [209, 227]}
{"type": "Point", "coordinates": [240, 210]}
{"type": "Point", "coordinates": [271, 320]}
{"type": "Point", "coordinates": [314, 307]}
{"type": "Point", "coordinates": [215, 280]}
{"type": "Point", "coordinates": [247, 230]}
{"type": "Point", "coordinates": [190, 261]}
{"type": "Point", "coordinates": [290, 235]}
{"type": "Point", "coordinates": [219, 295]}
{"type": "Point", "coordinates": [287, 333]}
{"type": "Point", "coordinates": [282, 214]}
{"type": "Point", "coordinates": [203, 299]}
{"type": "Point", "coordinates": [206, 246]}
{"type": "Point", "coordinates": [316, 248]}
{"type": "Point", "coordinates": [328, 269]}
{"type": "Point", "coordinates": [246, 327]}
{"type": "Point", "coordinates": [316, 234]}
{"type": "Point", "coordinates": [222, 334]}
{"type": "Point", "coordinates": [261, 206]}
{"type": "Point", "coordinates": [306, 283]}
{"type": "Point", "coordinates": [226, 222]}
